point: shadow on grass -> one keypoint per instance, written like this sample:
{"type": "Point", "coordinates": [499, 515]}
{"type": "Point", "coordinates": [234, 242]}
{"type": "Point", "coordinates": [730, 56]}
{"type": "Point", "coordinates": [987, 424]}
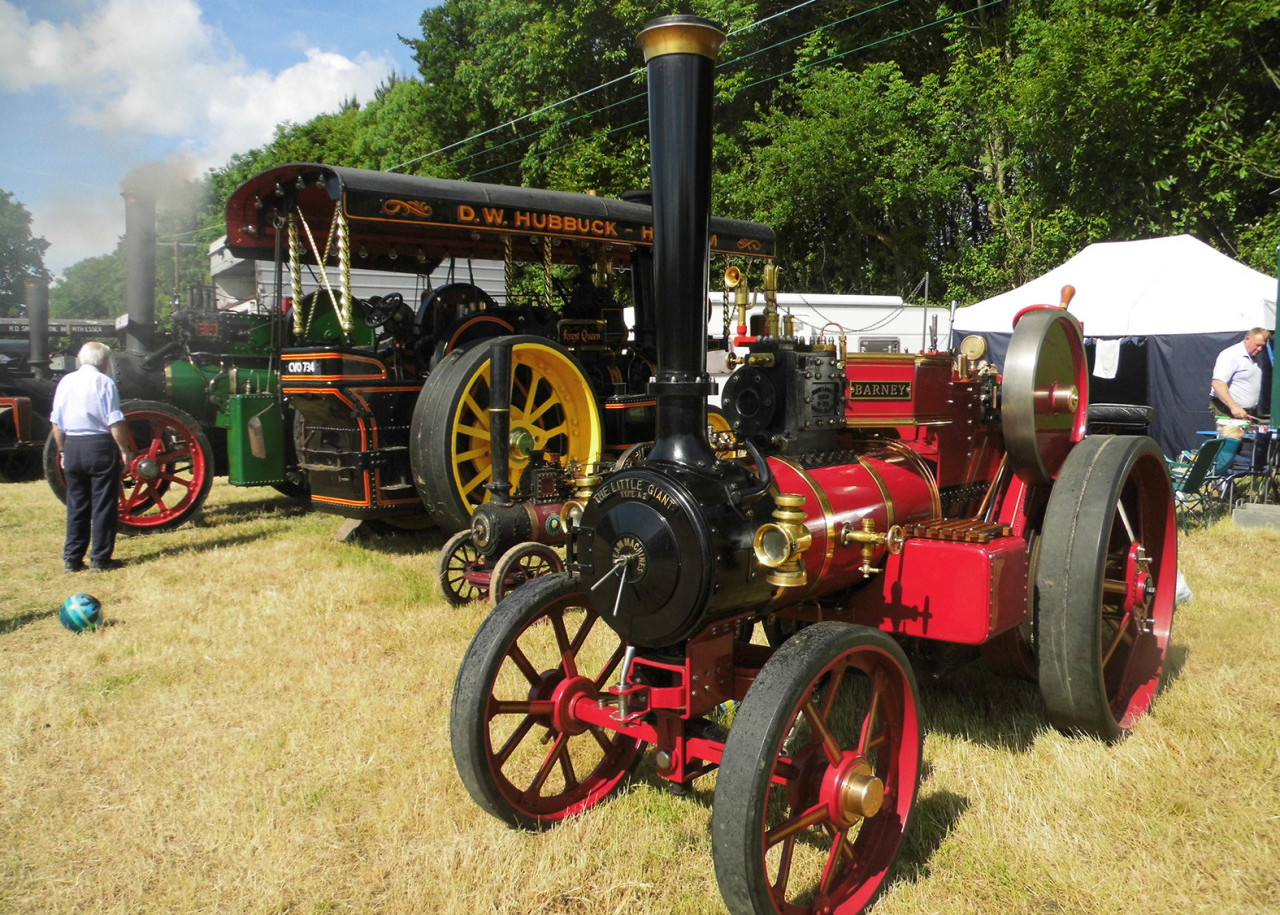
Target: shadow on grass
{"type": "Point", "coordinates": [400, 542]}
{"type": "Point", "coordinates": [280, 506]}
{"type": "Point", "coordinates": [975, 704]}
{"type": "Point", "coordinates": [14, 623]}
{"type": "Point", "coordinates": [161, 549]}
{"type": "Point", "coordinates": [933, 818]}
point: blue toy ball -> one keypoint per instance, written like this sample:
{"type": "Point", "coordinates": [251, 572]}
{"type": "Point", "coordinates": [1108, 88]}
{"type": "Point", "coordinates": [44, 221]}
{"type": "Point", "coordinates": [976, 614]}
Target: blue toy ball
{"type": "Point", "coordinates": [80, 612]}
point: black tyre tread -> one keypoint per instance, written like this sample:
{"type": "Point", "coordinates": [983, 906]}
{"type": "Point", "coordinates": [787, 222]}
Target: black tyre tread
{"type": "Point", "coordinates": [53, 470]}
{"type": "Point", "coordinates": [424, 441]}
{"type": "Point", "coordinates": [1072, 555]}
{"type": "Point", "coordinates": [430, 435]}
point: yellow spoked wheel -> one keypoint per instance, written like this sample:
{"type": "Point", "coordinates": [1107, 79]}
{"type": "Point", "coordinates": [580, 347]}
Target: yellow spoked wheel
{"type": "Point", "coordinates": [552, 410]}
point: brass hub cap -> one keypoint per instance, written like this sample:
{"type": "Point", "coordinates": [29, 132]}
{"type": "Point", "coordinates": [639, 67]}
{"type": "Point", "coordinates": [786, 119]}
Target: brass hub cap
{"type": "Point", "coordinates": [852, 792]}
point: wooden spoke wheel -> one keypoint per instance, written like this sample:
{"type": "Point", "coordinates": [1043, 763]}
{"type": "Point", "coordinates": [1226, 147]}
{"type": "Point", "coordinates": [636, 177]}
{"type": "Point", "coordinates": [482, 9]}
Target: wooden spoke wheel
{"type": "Point", "coordinates": [552, 409]}
{"type": "Point", "coordinates": [819, 775]}
{"type": "Point", "coordinates": [517, 745]}
{"type": "Point", "coordinates": [171, 472]}
{"type": "Point", "coordinates": [1106, 576]}
{"type": "Point", "coordinates": [461, 570]}
{"type": "Point", "coordinates": [522, 563]}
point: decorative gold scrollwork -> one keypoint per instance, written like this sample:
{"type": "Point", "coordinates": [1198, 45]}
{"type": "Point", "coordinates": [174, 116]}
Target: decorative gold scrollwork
{"type": "Point", "coordinates": [416, 208]}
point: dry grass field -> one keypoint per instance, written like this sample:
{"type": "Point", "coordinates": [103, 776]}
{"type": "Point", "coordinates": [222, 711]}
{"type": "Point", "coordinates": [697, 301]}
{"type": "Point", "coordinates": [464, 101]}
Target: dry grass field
{"type": "Point", "coordinates": [262, 727]}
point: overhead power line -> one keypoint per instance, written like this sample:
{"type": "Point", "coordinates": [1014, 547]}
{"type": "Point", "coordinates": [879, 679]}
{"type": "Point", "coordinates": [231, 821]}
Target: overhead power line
{"type": "Point", "coordinates": [640, 95]}
{"type": "Point", "coordinates": [573, 98]}
{"type": "Point", "coordinates": [777, 76]}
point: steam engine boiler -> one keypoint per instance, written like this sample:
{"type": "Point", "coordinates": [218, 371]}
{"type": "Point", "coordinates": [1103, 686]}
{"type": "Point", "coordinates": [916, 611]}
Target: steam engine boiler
{"type": "Point", "coordinates": [880, 504]}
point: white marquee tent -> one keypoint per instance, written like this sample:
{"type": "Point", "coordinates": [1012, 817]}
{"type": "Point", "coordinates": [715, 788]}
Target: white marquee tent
{"type": "Point", "coordinates": [1155, 314]}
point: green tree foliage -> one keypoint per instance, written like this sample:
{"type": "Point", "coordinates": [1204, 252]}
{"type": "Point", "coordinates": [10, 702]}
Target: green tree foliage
{"type": "Point", "coordinates": [981, 143]}
{"type": "Point", "coordinates": [851, 174]}
{"type": "Point", "coordinates": [1126, 120]}
{"type": "Point", "coordinates": [1043, 127]}
{"type": "Point", "coordinates": [91, 288]}
{"type": "Point", "coordinates": [21, 255]}
{"type": "Point", "coordinates": [564, 70]}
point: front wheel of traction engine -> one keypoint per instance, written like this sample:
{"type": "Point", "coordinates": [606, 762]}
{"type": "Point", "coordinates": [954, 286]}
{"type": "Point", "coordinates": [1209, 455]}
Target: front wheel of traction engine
{"type": "Point", "coordinates": [520, 564]}
{"type": "Point", "coordinates": [819, 775]}
{"type": "Point", "coordinates": [520, 751]}
{"type": "Point", "coordinates": [460, 570]}
{"type": "Point", "coordinates": [171, 472]}
{"type": "Point", "coordinates": [1105, 582]}
{"type": "Point", "coordinates": [552, 409]}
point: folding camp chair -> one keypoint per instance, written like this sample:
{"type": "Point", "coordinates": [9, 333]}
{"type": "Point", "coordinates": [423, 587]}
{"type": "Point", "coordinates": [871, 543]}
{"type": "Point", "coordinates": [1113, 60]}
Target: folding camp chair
{"type": "Point", "coordinates": [1197, 493]}
{"type": "Point", "coordinates": [1253, 478]}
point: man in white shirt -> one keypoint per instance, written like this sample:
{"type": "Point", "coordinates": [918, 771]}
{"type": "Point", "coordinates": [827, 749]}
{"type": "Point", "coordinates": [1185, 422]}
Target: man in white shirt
{"type": "Point", "coordinates": [1235, 390]}
{"type": "Point", "coordinates": [1236, 387]}
{"type": "Point", "coordinates": [90, 432]}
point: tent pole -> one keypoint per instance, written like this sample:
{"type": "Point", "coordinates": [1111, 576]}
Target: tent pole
{"type": "Point", "coordinates": [1275, 376]}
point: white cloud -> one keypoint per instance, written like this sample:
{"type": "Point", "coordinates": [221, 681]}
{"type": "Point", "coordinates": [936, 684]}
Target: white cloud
{"type": "Point", "coordinates": [86, 225]}
{"type": "Point", "coordinates": [254, 103]}
{"type": "Point", "coordinates": [152, 74]}
{"type": "Point", "coordinates": [155, 67]}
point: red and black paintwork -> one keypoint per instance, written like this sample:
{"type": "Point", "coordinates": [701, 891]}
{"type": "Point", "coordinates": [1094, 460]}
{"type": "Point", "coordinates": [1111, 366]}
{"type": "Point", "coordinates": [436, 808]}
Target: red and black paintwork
{"type": "Point", "coordinates": [885, 506]}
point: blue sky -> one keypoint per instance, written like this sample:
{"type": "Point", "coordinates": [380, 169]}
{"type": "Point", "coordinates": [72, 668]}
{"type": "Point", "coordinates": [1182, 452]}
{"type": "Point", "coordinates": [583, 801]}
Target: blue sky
{"type": "Point", "coordinates": [92, 89]}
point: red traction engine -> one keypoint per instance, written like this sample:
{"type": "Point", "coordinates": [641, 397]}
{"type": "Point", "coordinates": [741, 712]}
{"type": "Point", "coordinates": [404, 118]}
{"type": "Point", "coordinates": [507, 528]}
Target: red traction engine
{"type": "Point", "coordinates": [888, 505]}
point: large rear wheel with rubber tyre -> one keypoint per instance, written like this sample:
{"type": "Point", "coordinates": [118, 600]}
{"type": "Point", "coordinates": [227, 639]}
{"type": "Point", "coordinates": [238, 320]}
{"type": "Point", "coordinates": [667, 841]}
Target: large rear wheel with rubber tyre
{"type": "Point", "coordinates": [1106, 576]}
{"type": "Point", "coordinates": [171, 472]}
{"type": "Point", "coordinates": [819, 775]}
{"type": "Point", "coordinates": [520, 751]}
{"type": "Point", "coordinates": [552, 409]}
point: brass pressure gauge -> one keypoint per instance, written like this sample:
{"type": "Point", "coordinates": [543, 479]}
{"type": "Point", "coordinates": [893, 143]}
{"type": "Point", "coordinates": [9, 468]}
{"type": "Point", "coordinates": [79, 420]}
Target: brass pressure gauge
{"type": "Point", "coordinates": [973, 347]}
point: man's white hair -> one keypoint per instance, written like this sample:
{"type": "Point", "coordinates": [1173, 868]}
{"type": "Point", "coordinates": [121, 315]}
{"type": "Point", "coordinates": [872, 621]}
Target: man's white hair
{"type": "Point", "coordinates": [94, 353]}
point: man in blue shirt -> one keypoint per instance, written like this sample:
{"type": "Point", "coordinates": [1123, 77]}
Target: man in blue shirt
{"type": "Point", "coordinates": [90, 432]}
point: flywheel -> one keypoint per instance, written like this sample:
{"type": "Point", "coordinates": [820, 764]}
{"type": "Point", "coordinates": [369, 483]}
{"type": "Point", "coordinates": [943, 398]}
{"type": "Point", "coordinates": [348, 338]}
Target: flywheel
{"type": "Point", "coordinates": [1045, 398]}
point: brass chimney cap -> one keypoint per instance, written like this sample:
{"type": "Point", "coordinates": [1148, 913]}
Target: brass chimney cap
{"type": "Point", "coordinates": [681, 35]}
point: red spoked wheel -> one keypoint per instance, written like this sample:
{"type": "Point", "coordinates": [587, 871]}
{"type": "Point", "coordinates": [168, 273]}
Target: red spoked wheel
{"type": "Point", "coordinates": [463, 574]}
{"type": "Point", "coordinates": [522, 563]}
{"type": "Point", "coordinates": [1106, 577]}
{"type": "Point", "coordinates": [171, 472]}
{"type": "Point", "coordinates": [517, 745]}
{"type": "Point", "coordinates": [172, 469]}
{"type": "Point", "coordinates": [819, 775]}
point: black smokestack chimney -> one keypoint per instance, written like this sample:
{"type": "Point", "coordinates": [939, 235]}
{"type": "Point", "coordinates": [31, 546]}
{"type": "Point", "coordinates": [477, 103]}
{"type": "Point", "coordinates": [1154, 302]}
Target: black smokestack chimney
{"type": "Point", "coordinates": [140, 268]}
{"type": "Point", "coordinates": [681, 54]}
{"type": "Point", "coordinates": [36, 297]}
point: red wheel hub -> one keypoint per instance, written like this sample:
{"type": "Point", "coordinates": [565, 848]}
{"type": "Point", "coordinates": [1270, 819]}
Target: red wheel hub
{"type": "Point", "coordinates": [1139, 585]}
{"type": "Point", "coordinates": [566, 694]}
